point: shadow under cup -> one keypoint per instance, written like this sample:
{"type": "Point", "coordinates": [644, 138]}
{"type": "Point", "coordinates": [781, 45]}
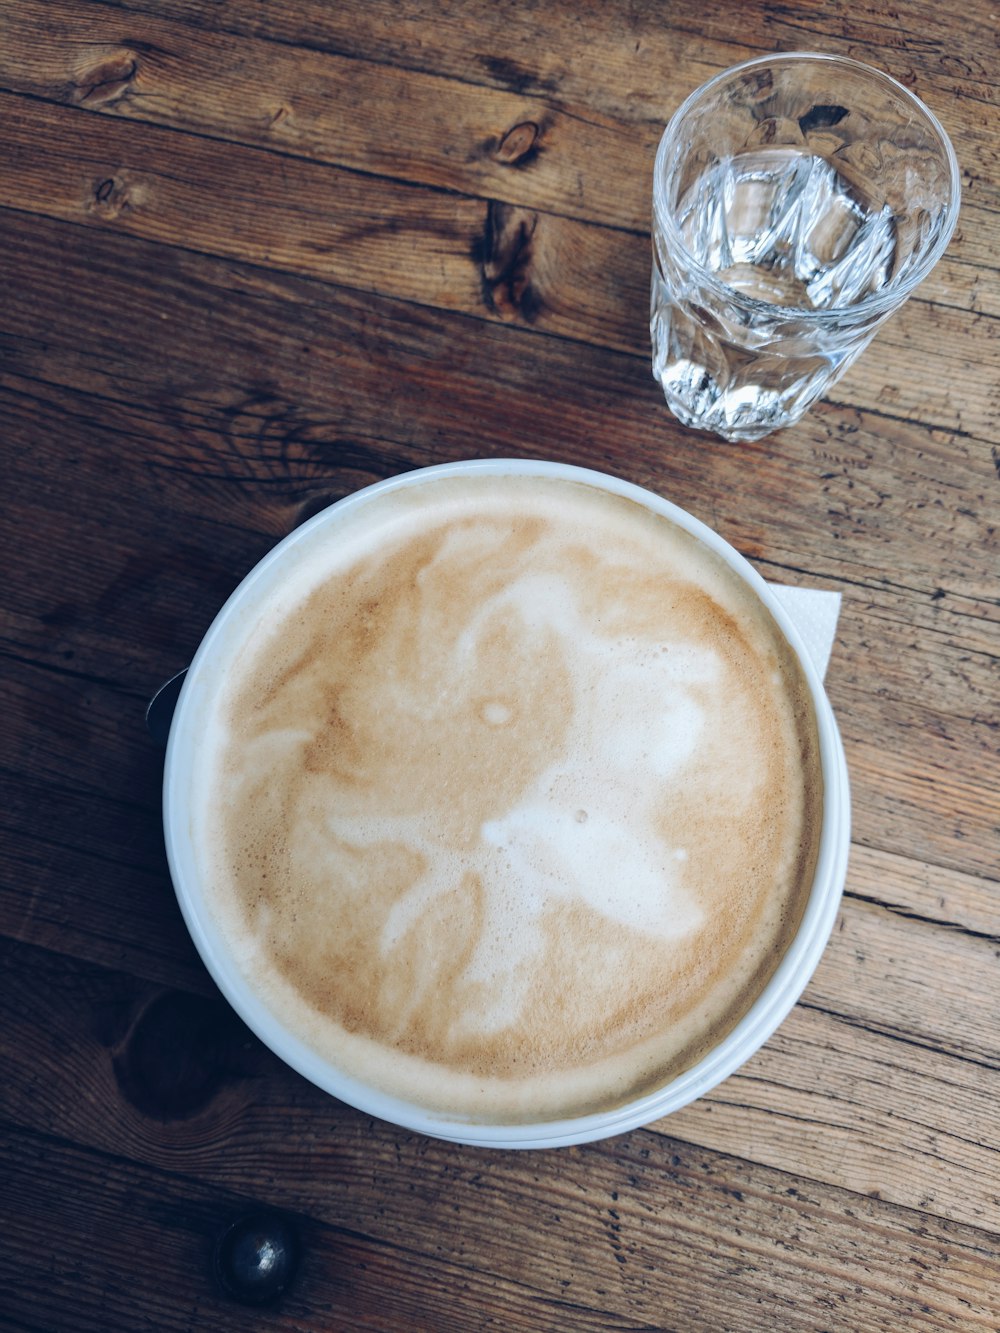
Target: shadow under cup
{"type": "Point", "coordinates": [205, 680]}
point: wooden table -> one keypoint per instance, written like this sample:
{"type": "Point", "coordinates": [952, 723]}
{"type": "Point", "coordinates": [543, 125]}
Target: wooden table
{"type": "Point", "coordinates": [259, 253]}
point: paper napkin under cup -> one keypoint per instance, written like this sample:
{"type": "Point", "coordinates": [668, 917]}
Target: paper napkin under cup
{"type": "Point", "coordinates": [814, 613]}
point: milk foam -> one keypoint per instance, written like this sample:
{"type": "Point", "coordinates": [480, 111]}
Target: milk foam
{"type": "Point", "coordinates": [514, 819]}
{"type": "Point", "coordinates": [640, 725]}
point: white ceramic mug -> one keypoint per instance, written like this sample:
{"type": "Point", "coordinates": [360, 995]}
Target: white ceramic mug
{"type": "Point", "coordinates": [208, 671]}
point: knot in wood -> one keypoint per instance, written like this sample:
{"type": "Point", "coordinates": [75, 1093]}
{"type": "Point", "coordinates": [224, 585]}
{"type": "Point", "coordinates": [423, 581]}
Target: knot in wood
{"type": "Point", "coordinates": [110, 198]}
{"type": "Point", "coordinates": [179, 1053]}
{"type": "Point", "coordinates": [106, 82]}
{"type": "Point", "coordinates": [519, 145]}
{"type": "Point", "coordinates": [118, 194]}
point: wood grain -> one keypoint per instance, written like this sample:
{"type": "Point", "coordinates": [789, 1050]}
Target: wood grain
{"type": "Point", "coordinates": [458, 133]}
{"type": "Point", "coordinates": [285, 426]}
{"type": "Point", "coordinates": [486, 258]}
{"type": "Point", "coordinates": [621, 1203]}
{"type": "Point", "coordinates": [630, 67]}
{"type": "Point", "coordinates": [348, 1280]}
{"type": "Point", "coordinates": [257, 255]}
{"type": "Point", "coordinates": [831, 1099]}
{"type": "Point", "coordinates": [455, 135]}
{"type": "Point", "coordinates": [866, 1047]}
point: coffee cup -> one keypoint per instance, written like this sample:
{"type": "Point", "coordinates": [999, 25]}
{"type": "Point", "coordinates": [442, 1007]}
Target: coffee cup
{"type": "Point", "coordinates": [503, 802]}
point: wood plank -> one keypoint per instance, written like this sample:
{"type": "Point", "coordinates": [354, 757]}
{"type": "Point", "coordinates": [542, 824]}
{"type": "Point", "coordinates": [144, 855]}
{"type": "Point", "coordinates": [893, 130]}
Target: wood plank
{"type": "Point", "coordinates": [922, 747]}
{"type": "Point", "coordinates": [284, 448]}
{"type": "Point", "coordinates": [946, 67]}
{"type": "Point", "coordinates": [637, 65]}
{"type": "Point", "coordinates": [921, 43]}
{"type": "Point", "coordinates": [497, 262]}
{"type": "Point", "coordinates": [157, 1235]}
{"type": "Point", "coordinates": [833, 1100]}
{"type": "Point", "coordinates": [639, 70]}
{"type": "Point", "coordinates": [875, 974]}
{"type": "Point", "coordinates": [68, 874]}
{"type": "Point", "coordinates": [854, 521]}
{"type": "Point", "coordinates": [925, 891]}
{"type": "Point", "coordinates": [284, 437]}
{"type": "Point", "coordinates": [917, 784]}
{"type": "Point", "coordinates": [291, 401]}
{"type": "Point", "coordinates": [906, 372]}
{"type": "Point", "coordinates": [219, 198]}
{"type": "Point", "coordinates": [340, 110]}
{"type": "Point", "coordinates": [671, 1234]}
{"type": "Point", "coordinates": [524, 148]}
{"type": "Point", "coordinates": [852, 518]}
{"type": "Point", "coordinates": [869, 1017]}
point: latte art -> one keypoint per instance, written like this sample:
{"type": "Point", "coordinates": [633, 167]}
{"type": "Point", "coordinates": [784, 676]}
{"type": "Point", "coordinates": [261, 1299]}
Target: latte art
{"type": "Point", "coordinates": [547, 848]}
{"type": "Point", "coordinates": [511, 805]}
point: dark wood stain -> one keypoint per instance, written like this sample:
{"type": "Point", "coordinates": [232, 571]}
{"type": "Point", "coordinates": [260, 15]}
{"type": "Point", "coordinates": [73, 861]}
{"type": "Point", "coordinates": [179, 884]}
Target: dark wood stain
{"type": "Point", "coordinates": [504, 255]}
{"type": "Point", "coordinates": [180, 1051]}
{"type": "Point", "coordinates": [515, 76]}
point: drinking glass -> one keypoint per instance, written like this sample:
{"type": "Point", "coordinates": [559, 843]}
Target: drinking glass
{"type": "Point", "coordinates": [798, 200]}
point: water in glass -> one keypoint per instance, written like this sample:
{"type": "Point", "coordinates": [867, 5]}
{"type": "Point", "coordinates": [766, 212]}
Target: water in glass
{"type": "Point", "coordinates": [777, 227]}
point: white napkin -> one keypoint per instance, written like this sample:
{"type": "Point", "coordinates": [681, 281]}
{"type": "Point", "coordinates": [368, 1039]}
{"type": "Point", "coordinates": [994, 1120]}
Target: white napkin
{"type": "Point", "coordinates": [814, 613]}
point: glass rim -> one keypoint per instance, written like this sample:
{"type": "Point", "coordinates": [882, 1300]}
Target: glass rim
{"type": "Point", "coordinates": [889, 297]}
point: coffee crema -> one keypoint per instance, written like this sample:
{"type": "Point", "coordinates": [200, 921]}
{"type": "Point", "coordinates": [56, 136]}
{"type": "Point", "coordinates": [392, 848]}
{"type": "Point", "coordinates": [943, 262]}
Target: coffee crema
{"type": "Point", "coordinates": [512, 799]}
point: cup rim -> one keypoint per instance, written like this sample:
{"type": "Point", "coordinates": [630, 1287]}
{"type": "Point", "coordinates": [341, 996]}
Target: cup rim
{"type": "Point", "coordinates": [882, 302]}
{"type": "Point", "coordinates": [766, 1013]}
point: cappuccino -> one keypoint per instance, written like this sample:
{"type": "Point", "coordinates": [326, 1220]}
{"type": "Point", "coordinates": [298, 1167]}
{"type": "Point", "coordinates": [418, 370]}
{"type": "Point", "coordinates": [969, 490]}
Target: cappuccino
{"type": "Point", "coordinates": [510, 803]}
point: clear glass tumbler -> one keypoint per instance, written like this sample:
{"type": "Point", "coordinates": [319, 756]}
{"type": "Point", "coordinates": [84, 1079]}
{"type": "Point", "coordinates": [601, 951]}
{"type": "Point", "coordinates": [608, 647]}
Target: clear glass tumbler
{"type": "Point", "coordinates": [797, 202]}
